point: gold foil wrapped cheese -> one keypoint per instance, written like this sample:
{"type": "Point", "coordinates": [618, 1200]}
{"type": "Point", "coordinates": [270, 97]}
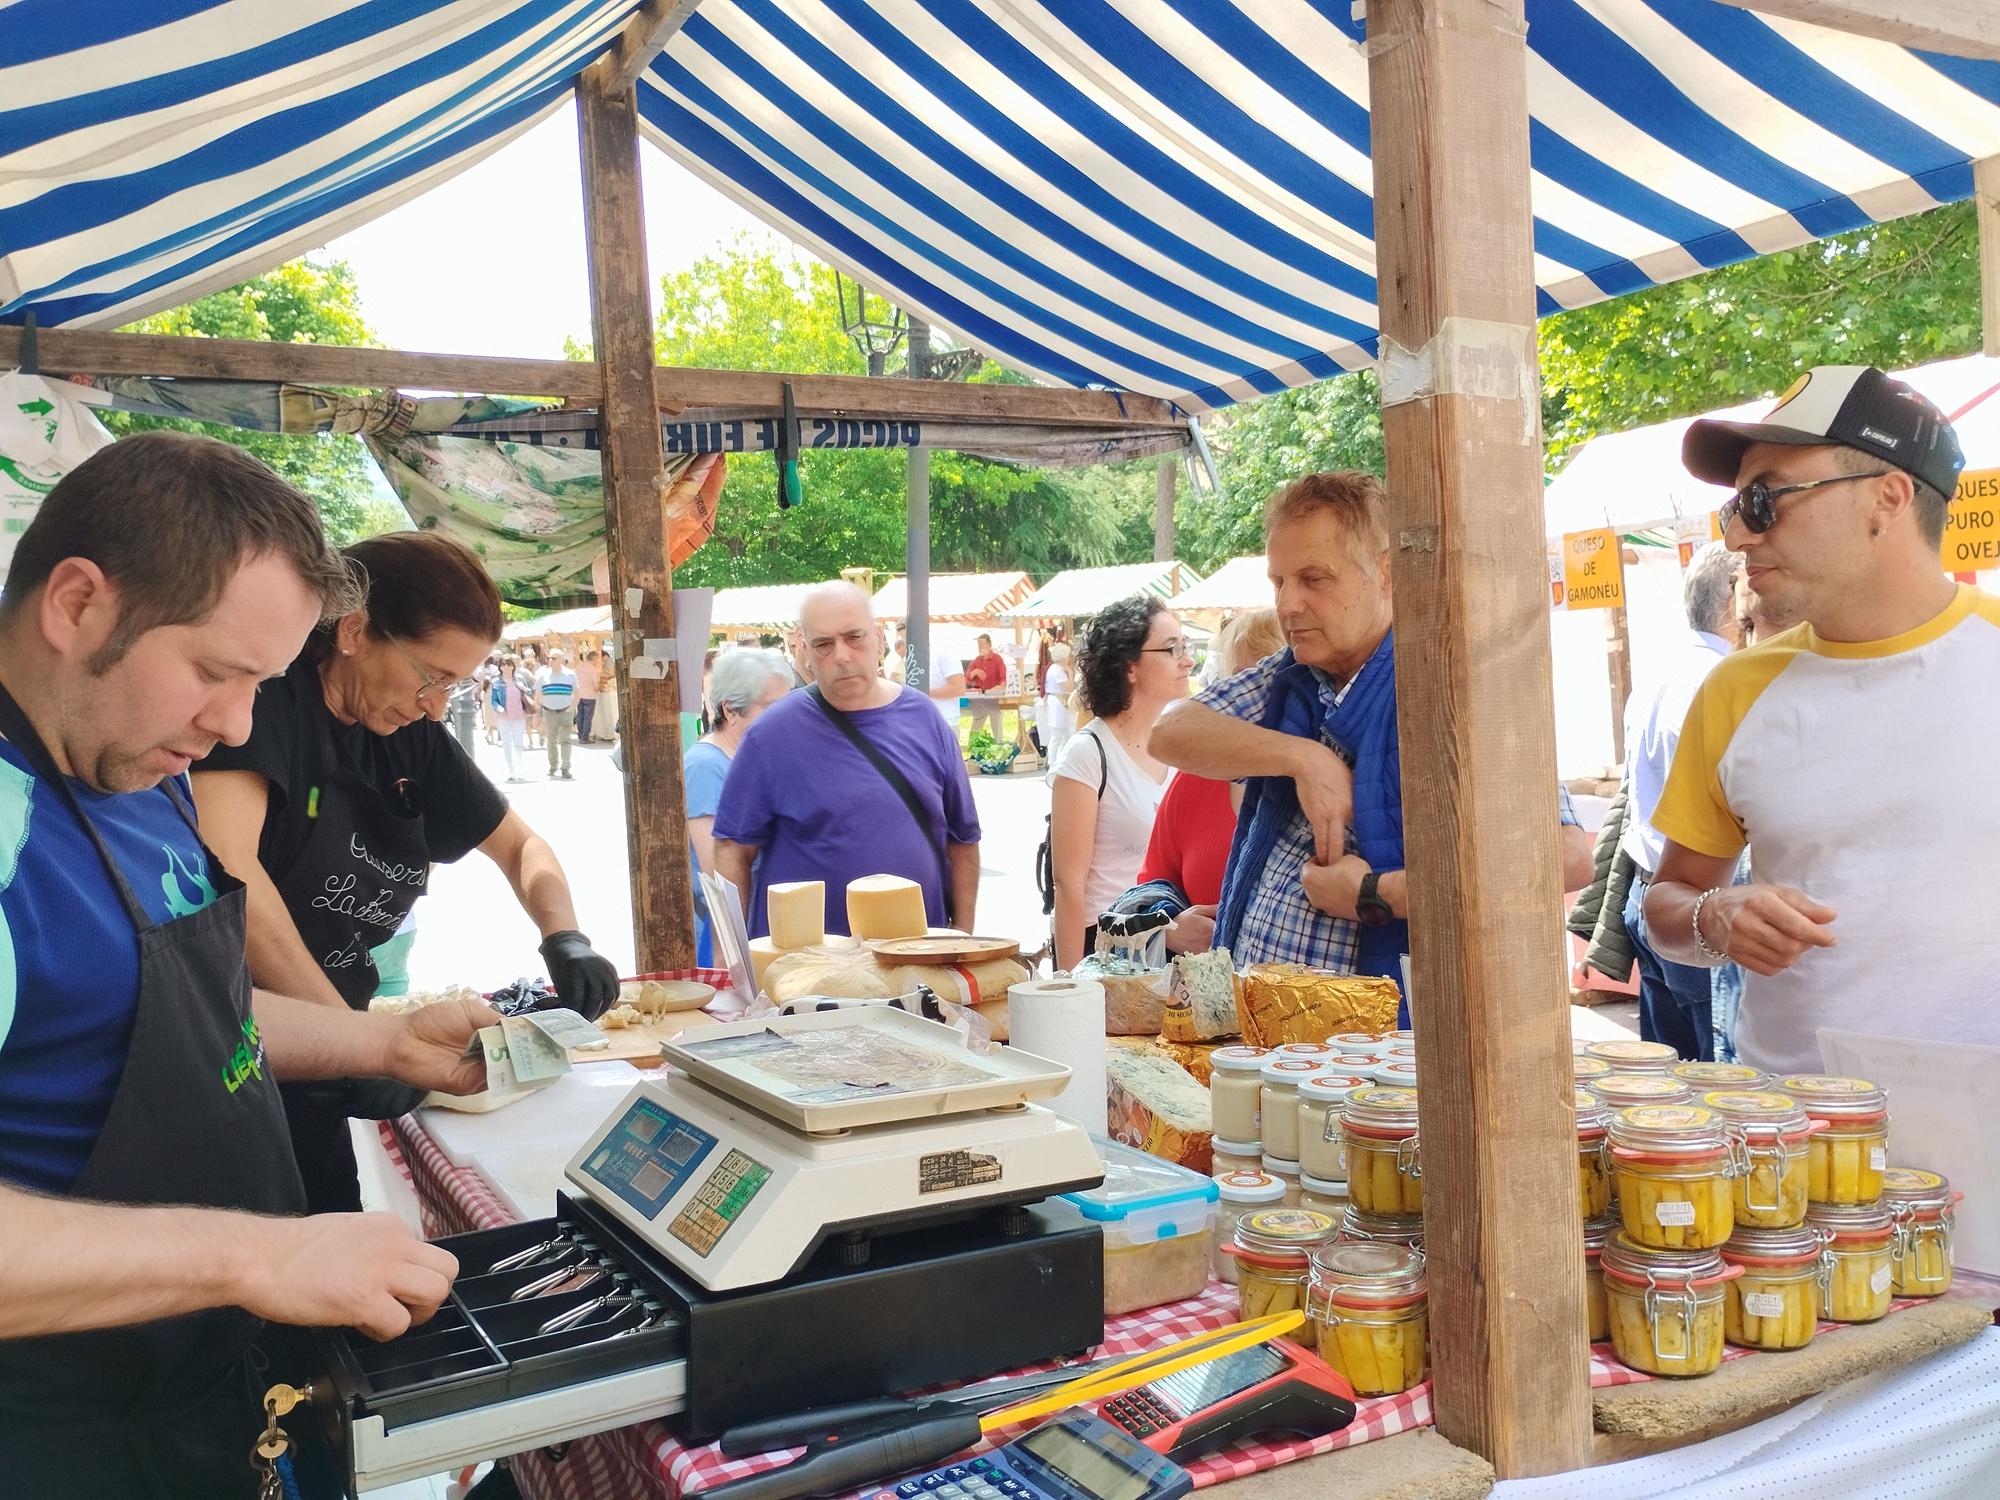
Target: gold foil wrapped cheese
{"type": "Point", "coordinates": [1279, 1003]}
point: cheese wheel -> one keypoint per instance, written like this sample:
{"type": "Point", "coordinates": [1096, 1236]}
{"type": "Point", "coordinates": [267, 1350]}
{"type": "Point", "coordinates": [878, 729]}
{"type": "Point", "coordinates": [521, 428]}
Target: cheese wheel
{"type": "Point", "coordinates": [764, 953]}
{"type": "Point", "coordinates": [886, 906]}
{"type": "Point", "coordinates": [797, 911]}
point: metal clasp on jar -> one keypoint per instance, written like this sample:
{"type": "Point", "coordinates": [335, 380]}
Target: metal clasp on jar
{"type": "Point", "coordinates": [1743, 1159]}
{"type": "Point", "coordinates": [1409, 1157]}
{"type": "Point", "coordinates": [1331, 1130]}
{"type": "Point", "coordinates": [1654, 1303]}
{"type": "Point", "coordinates": [1904, 1241]}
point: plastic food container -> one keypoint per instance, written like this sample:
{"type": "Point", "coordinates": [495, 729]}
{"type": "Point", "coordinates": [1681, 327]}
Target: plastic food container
{"type": "Point", "coordinates": [1399, 1230]}
{"type": "Point", "coordinates": [1157, 1220]}
{"type": "Point", "coordinates": [1281, 1077]}
{"type": "Point", "coordinates": [1665, 1306]}
{"type": "Point", "coordinates": [1323, 1196]}
{"type": "Point", "coordinates": [1273, 1253]}
{"type": "Point", "coordinates": [1235, 1090]}
{"type": "Point", "coordinates": [1845, 1160]}
{"type": "Point", "coordinates": [1861, 1244]}
{"type": "Point", "coordinates": [1395, 1072]}
{"type": "Point", "coordinates": [1921, 1205]}
{"type": "Point", "coordinates": [1776, 1302]}
{"type": "Point", "coordinates": [1768, 1136]}
{"type": "Point", "coordinates": [1384, 1163]}
{"type": "Point", "coordinates": [1623, 1090]}
{"type": "Point", "coordinates": [1288, 1175]}
{"type": "Point", "coordinates": [1671, 1164]}
{"type": "Point", "coordinates": [1587, 1070]}
{"type": "Point", "coordinates": [1322, 1152]}
{"type": "Point", "coordinates": [1703, 1076]}
{"type": "Point", "coordinates": [1241, 1193]}
{"type": "Point", "coordinates": [1371, 1305]}
{"type": "Point", "coordinates": [1596, 1314]}
{"type": "Point", "coordinates": [1628, 1055]}
{"type": "Point", "coordinates": [1235, 1156]}
{"type": "Point", "coordinates": [1593, 1165]}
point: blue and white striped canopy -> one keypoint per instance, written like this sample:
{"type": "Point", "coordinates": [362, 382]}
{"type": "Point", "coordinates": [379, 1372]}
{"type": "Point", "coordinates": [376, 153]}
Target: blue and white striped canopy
{"type": "Point", "coordinates": [1163, 196]}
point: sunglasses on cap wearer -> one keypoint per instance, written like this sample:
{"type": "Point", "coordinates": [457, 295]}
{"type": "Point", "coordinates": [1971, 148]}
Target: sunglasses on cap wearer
{"type": "Point", "coordinates": [1756, 504]}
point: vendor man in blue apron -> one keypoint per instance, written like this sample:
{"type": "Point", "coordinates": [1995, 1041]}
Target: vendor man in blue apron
{"type": "Point", "coordinates": [148, 1200]}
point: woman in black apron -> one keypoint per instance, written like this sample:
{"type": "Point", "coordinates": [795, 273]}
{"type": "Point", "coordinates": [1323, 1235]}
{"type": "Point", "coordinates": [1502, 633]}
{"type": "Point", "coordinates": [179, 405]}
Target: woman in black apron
{"type": "Point", "coordinates": [348, 790]}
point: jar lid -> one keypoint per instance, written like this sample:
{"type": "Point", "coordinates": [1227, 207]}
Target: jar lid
{"type": "Point", "coordinates": [1249, 1187]}
{"type": "Point", "coordinates": [1353, 1041]}
{"type": "Point", "coordinates": [1281, 1070]}
{"type": "Point", "coordinates": [1630, 1055]}
{"type": "Point", "coordinates": [1596, 1231]}
{"type": "Point", "coordinates": [1330, 1088]}
{"type": "Point", "coordinates": [1352, 1062]}
{"type": "Point", "coordinates": [1755, 1112]}
{"type": "Point", "coordinates": [1281, 1166]}
{"type": "Point", "coordinates": [1239, 1059]}
{"type": "Point", "coordinates": [1752, 1246]}
{"type": "Point", "coordinates": [1673, 1270]}
{"type": "Point", "coordinates": [1675, 1129]}
{"type": "Point", "coordinates": [1396, 1049]}
{"type": "Point", "coordinates": [1701, 1076]}
{"type": "Point", "coordinates": [1381, 1108]}
{"type": "Point", "coordinates": [1286, 1233]}
{"type": "Point", "coordinates": [1836, 1098]}
{"type": "Point", "coordinates": [1592, 1113]}
{"type": "Point", "coordinates": [1311, 1051]}
{"type": "Point", "coordinates": [1622, 1089]}
{"type": "Point", "coordinates": [1913, 1187]}
{"type": "Point", "coordinates": [1851, 1221]}
{"type": "Point", "coordinates": [1236, 1148]}
{"type": "Point", "coordinates": [1367, 1271]}
{"type": "Point", "coordinates": [1585, 1069]}
{"type": "Point", "coordinates": [1399, 1229]}
{"type": "Point", "coordinates": [1405, 1035]}
{"type": "Point", "coordinates": [1326, 1187]}
{"type": "Point", "coordinates": [1396, 1072]}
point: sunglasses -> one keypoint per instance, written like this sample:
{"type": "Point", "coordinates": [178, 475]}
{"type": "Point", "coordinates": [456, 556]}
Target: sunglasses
{"type": "Point", "coordinates": [1756, 504]}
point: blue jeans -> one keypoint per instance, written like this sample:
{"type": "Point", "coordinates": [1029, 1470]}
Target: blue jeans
{"type": "Point", "coordinates": [1675, 1000]}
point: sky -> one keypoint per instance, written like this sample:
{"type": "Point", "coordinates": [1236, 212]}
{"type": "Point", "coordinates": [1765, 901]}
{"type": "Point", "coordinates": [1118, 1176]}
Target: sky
{"type": "Point", "coordinates": [492, 262]}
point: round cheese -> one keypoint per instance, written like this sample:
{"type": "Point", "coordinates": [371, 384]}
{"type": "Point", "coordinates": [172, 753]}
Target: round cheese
{"type": "Point", "coordinates": [886, 906]}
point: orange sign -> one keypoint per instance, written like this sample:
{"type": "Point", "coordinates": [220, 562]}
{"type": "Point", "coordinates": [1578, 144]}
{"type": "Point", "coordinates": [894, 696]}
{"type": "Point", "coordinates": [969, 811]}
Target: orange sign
{"type": "Point", "coordinates": [1593, 570]}
{"type": "Point", "coordinates": [1972, 524]}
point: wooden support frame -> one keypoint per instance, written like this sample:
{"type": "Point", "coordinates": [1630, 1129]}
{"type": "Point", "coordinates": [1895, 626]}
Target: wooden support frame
{"type": "Point", "coordinates": [1964, 28]}
{"type": "Point", "coordinates": [1455, 283]}
{"type": "Point", "coordinates": [1986, 214]}
{"type": "Point", "coordinates": [635, 531]}
{"type": "Point", "coordinates": [645, 36]}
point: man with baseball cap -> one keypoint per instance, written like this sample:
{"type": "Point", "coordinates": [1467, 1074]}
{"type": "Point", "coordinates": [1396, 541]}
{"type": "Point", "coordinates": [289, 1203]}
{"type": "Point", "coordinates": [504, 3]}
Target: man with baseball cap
{"type": "Point", "coordinates": [1850, 752]}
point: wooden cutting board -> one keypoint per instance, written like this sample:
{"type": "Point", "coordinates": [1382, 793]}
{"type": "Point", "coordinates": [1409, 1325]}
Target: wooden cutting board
{"type": "Point", "coordinates": [643, 1040]}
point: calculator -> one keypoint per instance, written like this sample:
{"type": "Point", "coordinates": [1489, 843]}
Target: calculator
{"type": "Point", "coordinates": [1275, 1386]}
{"type": "Point", "coordinates": [1075, 1456]}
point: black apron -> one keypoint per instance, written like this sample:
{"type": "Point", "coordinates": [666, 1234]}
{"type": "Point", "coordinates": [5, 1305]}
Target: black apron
{"type": "Point", "coordinates": [163, 1409]}
{"type": "Point", "coordinates": [362, 867]}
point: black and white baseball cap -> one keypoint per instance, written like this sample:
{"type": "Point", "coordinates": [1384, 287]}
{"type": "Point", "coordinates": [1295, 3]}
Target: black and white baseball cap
{"type": "Point", "coordinates": [1855, 406]}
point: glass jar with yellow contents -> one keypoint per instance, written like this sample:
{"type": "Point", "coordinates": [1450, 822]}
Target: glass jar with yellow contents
{"type": "Point", "coordinates": [1400, 1229]}
{"type": "Point", "coordinates": [1845, 1159]}
{"type": "Point", "coordinates": [1921, 1205]}
{"type": "Point", "coordinates": [1593, 1166]}
{"type": "Point", "coordinates": [1665, 1306]}
{"type": "Point", "coordinates": [1671, 1167]}
{"type": "Point", "coordinates": [1704, 1076]}
{"type": "Point", "coordinates": [1861, 1251]}
{"type": "Point", "coordinates": [1371, 1306]}
{"type": "Point", "coordinates": [1596, 1315]}
{"type": "Point", "coordinates": [1629, 1055]}
{"type": "Point", "coordinates": [1587, 1070]}
{"type": "Point", "coordinates": [1273, 1253]}
{"type": "Point", "coordinates": [1322, 1153]}
{"type": "Point", "coordinates": [1770, 1142]}
{"type": "Point", "coordinates": [1624, 1090]}
{"type": "Point", "coordinates": [1384, 1166]}
{"type": "Point", "coordinates": [1239, 1194]}
{"type": "Point", "coordinates": [1776, 1302]}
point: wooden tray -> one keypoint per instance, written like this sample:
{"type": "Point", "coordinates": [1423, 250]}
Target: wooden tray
{"type": "Point", "coordinates": [943, 950]}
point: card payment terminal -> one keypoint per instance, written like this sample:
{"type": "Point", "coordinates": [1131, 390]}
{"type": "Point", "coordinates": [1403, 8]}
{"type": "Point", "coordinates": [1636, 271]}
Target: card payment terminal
{"type": "Point", "coordinates": [1276, 1386]}
{"type": "Point", "coordinates": [1072, 1457]}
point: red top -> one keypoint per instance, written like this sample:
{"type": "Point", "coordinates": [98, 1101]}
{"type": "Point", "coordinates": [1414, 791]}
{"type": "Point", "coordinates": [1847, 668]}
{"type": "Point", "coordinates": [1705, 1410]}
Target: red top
{"type": "Point", "coordinates": [1190, 843]}
{"type": "Point", "coordinates": [987, 671]}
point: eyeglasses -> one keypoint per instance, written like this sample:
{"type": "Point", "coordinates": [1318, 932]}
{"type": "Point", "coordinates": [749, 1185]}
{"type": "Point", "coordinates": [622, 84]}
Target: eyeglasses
{"type": "Point", "coordinates": [428, 682]}
{"type": "Point", "coordinates": [1182, 649]}
{"type": "Point", "coordinates": [1756, 504]}
{"type": "Point", "coordinates": [854, 640]}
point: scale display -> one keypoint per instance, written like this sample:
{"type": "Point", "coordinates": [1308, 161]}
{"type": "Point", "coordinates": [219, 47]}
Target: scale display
{"type": "Point", "coordinates": [647, 1156]}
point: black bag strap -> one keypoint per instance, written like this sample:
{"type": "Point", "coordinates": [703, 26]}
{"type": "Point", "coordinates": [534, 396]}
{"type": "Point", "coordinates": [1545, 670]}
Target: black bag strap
{"type": "Point", "coordinates": [898, 783]}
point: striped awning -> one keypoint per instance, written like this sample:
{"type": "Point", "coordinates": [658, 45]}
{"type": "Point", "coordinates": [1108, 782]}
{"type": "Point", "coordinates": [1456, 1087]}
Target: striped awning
{"type": "Point", "coordinates": [1076, 592]}
{"type": "Point", "coordinates": [1164, 196]}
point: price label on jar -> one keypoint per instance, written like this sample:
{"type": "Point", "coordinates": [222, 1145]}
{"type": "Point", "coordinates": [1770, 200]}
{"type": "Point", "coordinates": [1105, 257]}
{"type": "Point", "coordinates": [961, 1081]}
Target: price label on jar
{"type": "Point", "coordinates": [1878, 1158]}
{"type": "Point", "coordinates": [1675, 1215]}
{"type": "Point", "coordinates": [1879, 1282]}
{"type": "Point", "coordinates": [1763, 1304]}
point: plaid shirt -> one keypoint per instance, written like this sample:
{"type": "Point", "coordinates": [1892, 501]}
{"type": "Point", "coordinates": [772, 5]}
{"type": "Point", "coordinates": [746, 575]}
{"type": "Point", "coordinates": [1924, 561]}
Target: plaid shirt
{"type": "Point", "coordinates": [1280, 925]}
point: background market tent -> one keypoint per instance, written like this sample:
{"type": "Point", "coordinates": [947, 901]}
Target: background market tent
{"type": "Point", "coordinates": [1077, 592]}
{"type": "Point", "coordinates": [958, 598]}
{"type": "Point", "coordinates": [1240, 583]}
{"type": "Point", "coordinates": [767, 607]}
{"type": "Point", "coordinates": [589, 620]}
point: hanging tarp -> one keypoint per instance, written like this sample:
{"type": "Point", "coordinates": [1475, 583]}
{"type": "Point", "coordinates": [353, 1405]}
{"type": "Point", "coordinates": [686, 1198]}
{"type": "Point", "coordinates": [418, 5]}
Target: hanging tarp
{"type": "Point", "coordinates": [273, 406]}
{"type": "Point", "coordinates": [45, 431]}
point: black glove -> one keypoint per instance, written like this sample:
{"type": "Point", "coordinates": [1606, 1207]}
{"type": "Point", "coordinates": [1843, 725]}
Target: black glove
{"type": "Point", "coordinates": [584, 979]}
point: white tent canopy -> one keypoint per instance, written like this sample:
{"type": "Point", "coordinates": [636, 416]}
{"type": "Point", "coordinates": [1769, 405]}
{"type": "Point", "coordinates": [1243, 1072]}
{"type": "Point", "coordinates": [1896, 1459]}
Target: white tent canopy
{"type": "Point", "coordinates": [961, 598]}
{"type": "Point", "coordinates": [764, 606]}
{"type": "Point", "coordinates": [586, 619]}
{"type": "Point", "coordinates": [1240, 583]}
{"type": "Point", "coordinates": [1076, 592]}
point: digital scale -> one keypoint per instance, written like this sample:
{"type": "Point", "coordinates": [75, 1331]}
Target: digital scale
{"type": "Point", "coordinates": [803, 1210]}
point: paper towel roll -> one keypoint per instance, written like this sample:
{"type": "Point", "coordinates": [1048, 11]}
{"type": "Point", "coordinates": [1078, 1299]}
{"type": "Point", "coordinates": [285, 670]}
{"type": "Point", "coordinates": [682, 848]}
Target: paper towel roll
{"type": "Point", "coordinates": [1063, 1020]}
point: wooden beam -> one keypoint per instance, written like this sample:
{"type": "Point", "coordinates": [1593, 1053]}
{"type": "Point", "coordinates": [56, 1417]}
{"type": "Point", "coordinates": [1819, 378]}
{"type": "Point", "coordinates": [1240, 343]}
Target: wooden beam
{"type": "Point", "coordinates": [645, 36]}
{"type": "Point", "coordinates": [1455, 285]}
{"type": "Point", "coordinates": [187, 358]}
{"type": "Point", "coordinates": [621, 321]}
{"type": "Point", "coordinates": [1986, 213]}
{"type": "Point", "coordinates": [1963, 28]}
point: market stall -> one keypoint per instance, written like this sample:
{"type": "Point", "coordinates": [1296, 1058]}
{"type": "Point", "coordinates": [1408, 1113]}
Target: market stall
{"type": "Point", "coordinates": [963, 607]}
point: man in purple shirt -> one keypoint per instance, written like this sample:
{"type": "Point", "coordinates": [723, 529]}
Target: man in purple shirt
{"type": "Point", "coordinates": [804, 801]}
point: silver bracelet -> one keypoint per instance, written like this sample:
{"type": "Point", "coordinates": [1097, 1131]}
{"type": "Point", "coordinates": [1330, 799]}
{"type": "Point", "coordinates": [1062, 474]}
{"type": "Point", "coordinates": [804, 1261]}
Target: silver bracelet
{"type": "Point", "coordinates": [1700, 942]}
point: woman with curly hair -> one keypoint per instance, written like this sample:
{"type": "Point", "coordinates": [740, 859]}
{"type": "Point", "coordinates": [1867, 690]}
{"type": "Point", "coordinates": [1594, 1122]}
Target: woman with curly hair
{"type": "Point", "coordinates": [1133, 662]}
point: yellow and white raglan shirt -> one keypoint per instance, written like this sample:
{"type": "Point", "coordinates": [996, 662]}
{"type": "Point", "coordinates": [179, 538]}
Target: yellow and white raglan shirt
{"type": "Point", "coordinates": [1863, 775]}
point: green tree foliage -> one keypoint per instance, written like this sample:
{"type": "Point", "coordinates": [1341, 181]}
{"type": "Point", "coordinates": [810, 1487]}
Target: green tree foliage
{"type": "Point", "coordinates": [301, 302]}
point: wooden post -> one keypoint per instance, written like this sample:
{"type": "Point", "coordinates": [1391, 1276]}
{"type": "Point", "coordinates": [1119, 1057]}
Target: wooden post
{"type": "Point", "coordinates": [1163, 511]}
{"type": "Point", "coordinates": [635, 530]}
{"type": "Point", "coordinates": [1455, 284]}
{"type": "Point", "coordinates": [1618, 658]}
{"type": "Point", "coordinates": [1986, 213]}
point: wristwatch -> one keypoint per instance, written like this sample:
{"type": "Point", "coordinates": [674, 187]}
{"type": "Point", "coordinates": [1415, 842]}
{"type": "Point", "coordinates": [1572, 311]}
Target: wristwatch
{"type": "Point", "coordinates": [1369, 907]}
